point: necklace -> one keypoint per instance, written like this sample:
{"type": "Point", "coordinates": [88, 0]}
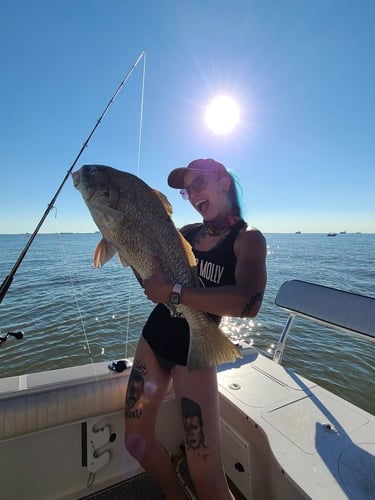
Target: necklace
{"type": "Point", "coordinates": [212, 228]}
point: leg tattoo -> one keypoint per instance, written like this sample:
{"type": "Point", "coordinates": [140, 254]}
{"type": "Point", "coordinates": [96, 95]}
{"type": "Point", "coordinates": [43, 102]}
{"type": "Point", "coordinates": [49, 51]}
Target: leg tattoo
{"type": "Point", "coordinates": [135, 390]}
{"type": "Point", "coordinates": [193, 425]}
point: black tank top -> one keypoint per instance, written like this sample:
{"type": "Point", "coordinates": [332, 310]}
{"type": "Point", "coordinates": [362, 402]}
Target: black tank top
{"type": "Point", "coordinates": [216, 266]}
{"type": "Point", "coordinates": [169, 336]}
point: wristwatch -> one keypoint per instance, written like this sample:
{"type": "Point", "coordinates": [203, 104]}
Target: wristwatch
{"type": "Point", "coordinates": [175, 295]}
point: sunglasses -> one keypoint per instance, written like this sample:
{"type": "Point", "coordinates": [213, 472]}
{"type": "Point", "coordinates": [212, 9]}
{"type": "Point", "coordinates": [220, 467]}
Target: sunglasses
{"type": "Point", "coordinates": [197, 185]}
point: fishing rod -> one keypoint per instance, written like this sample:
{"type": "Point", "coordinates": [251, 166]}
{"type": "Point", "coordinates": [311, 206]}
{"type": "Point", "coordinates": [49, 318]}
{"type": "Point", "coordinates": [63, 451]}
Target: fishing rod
{"type": "Point", "coordinates": [8, 280]}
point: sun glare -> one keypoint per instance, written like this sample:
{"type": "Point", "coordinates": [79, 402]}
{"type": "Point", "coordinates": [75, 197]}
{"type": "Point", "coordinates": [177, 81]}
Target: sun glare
{"type": "Point", "coordinates": [222, 114]}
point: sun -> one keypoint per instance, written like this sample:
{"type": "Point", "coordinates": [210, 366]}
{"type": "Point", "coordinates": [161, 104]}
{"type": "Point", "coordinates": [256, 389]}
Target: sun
{"type": "Point", "coordinates": [222, 114]}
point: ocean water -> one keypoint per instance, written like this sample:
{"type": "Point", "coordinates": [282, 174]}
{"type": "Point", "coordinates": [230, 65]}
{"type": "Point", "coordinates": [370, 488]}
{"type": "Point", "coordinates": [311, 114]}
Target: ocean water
{"type": "Point", "coordinates": [72, 314]}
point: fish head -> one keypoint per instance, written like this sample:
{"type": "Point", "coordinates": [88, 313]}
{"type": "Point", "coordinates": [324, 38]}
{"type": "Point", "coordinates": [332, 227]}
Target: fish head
{"type": "Point", "coordinates": [132, 217]}
{"type": "Point", "coordinates": [97, 185]}
{"type": "Point", "coordinates": [103, 189]}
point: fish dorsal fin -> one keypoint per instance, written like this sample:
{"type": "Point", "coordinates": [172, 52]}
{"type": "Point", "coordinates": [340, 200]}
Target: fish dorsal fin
{"type": "Point", "coordinates": [104, 252]}
{"type": "Point", "coordinates": [164, 201]}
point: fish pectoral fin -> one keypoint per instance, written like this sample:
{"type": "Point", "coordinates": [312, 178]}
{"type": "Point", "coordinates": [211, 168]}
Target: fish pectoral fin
{"type": "Point", "coordinates": [107, 215]}
{"type": "Point", "coordinates": [164, 201]}
{"type": "Point", "coordinates": [123, 261]}
{"type": "Point", "coordinates": [103, 253]}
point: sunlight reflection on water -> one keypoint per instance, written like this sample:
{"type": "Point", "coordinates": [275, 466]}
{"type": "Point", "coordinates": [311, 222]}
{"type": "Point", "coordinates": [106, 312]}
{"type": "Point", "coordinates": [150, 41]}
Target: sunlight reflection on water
{"type": "Point", "coordinates": [71, 313]}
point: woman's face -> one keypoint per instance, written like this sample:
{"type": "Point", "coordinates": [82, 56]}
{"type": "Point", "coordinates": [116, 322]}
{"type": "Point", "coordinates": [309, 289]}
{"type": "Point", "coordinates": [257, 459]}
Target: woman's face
{"type": "Point", "coordinates": [207, 194]}
{"type": "Point", "coordinates": [193, 432]}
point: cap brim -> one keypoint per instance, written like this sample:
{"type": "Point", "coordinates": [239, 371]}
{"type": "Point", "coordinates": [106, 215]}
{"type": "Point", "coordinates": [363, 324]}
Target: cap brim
{"type": "Point", "coordinates": [207, 166]}
{"type": "Point", "coordinates": [176, 178]}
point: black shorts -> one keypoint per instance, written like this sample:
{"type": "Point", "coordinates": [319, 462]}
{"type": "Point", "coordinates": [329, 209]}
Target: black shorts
{"type": "Point", "coordinates": [167, 336]}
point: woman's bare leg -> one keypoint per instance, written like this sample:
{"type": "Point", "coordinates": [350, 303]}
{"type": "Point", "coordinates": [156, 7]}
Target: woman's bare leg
{"type": "Point", "coordinates": [197, 392]}
{"type": "Point", "coordinates": [147, 386]}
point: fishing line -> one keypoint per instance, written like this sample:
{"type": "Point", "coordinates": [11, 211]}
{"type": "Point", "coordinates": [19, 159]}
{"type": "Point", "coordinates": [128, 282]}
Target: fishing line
{"type": "Point", "coordinates": [69, 272]}
{"type": "Point", "coordinates": [141, 115]}
{"type": "Point", "coordinates": [76, 299]}
{"type": "Point", "coordinates": [8, 280]}
{"type": "Point", "coordinates": [72, 284]}
{"type": "Point", "coordinates": [131, 275]}
{"type": "Point", "coordinates": [131, 280]}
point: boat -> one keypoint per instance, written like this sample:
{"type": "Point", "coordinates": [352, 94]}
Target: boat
{"type": "Point", "coordinates": [331, 234]}
{"type": "Point", "coordinates": [283, 436]}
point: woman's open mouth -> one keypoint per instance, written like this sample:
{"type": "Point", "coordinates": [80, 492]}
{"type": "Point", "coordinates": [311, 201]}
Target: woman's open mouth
{"type": "Point", "coordinates": [202, 206]}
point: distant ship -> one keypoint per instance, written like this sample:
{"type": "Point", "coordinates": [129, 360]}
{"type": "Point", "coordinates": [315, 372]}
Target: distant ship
{"type": "Point", "coordinates": [332, 234]}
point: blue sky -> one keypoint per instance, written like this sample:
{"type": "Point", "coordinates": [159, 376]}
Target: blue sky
{"type": "Point", "coordinates": [302, 72]}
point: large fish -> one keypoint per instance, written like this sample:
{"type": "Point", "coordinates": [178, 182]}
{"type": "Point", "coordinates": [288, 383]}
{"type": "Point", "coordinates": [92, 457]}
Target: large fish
{"type": "Point", "coordinates": [135, 222]}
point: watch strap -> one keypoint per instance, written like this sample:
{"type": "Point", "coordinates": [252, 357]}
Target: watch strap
{"type": "Point", "coordinates": [177, 288]}
{"type": "Point", "coordinates": [175, 294]}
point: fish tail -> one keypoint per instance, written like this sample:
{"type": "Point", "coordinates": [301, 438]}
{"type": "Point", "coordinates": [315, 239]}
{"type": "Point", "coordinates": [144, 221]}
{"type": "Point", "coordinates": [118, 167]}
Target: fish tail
{"type": "Point", "coordinates": [210, 347]}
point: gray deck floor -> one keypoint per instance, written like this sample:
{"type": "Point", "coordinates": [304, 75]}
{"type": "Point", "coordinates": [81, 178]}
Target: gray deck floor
{"type": "Point", "coordinates": [143, 487]}
{"type": "Point", "coordinates": [140, 487]}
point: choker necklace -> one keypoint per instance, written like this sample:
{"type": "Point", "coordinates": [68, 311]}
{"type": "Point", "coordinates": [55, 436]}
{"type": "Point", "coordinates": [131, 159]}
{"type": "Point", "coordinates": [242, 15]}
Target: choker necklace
{"type": "Point", "coordinates": [212, 228]}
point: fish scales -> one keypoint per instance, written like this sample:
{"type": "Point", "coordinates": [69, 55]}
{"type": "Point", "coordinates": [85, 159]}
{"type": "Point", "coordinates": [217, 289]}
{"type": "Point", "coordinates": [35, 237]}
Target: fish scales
{"type": "Point", "coordinates": [135, 222]}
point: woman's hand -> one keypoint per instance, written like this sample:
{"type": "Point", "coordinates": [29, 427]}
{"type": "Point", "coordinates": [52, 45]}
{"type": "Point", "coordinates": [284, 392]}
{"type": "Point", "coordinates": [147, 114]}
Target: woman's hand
{"type": "Point", "coordinates": [157, 287]}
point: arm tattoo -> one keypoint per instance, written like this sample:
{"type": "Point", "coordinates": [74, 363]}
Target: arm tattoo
{"type": "Point", "coordinates": [250, 304]}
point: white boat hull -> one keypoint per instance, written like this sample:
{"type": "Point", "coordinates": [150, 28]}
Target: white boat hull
{"type": "Point", "coordinates": [283, 436]}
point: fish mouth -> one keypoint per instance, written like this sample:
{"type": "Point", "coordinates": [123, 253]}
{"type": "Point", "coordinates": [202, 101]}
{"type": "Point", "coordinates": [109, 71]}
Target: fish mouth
{"type": "Point", "coordinates": [76, 178]}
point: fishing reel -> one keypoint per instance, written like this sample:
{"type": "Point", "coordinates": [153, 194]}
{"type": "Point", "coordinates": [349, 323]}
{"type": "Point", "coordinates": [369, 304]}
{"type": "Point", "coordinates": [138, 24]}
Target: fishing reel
{"type": "Point", "coordinates": [16, 335]}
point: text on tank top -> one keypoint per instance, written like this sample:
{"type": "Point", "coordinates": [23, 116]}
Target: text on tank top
{"type": "Point", "coordinates": [216, 267]}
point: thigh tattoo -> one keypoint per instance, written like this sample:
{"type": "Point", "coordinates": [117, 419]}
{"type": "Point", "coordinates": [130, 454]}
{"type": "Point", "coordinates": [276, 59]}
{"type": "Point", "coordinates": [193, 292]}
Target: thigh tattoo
{"type": "Point", "coordinates": [193, 424]}
{"type": "Point", "coordinates": [135, 390]}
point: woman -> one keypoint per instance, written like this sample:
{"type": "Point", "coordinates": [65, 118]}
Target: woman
{"type": "Point", "coordinates": [237, 253]}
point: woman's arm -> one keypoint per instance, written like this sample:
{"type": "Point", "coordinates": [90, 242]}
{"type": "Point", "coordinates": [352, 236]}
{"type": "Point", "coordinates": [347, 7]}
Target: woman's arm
{"type": "Point", "coordinates": [242, 299]}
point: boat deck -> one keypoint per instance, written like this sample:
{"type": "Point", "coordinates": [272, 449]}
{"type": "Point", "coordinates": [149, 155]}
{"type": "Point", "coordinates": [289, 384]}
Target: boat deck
{"type": "Point", "coordinates": [138, 487]}
{"type": "Point", "coordinates": [142, 486]}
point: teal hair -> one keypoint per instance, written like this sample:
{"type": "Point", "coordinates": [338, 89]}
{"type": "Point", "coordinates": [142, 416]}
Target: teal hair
{"type": "Point", "coordinates": [235, 194]}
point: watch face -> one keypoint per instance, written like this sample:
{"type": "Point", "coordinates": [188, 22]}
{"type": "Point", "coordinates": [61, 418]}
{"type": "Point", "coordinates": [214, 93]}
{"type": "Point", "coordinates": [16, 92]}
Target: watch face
{"type": "Point", "coordinates": [174, 298]}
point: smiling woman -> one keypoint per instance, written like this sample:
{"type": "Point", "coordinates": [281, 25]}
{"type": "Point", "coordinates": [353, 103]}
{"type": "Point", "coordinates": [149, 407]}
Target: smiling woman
{"type": "Point", "coordinates": [222, 114]}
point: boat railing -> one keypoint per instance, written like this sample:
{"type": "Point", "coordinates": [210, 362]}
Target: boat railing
{"type": "Point", "coordinates": [331, 307]}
